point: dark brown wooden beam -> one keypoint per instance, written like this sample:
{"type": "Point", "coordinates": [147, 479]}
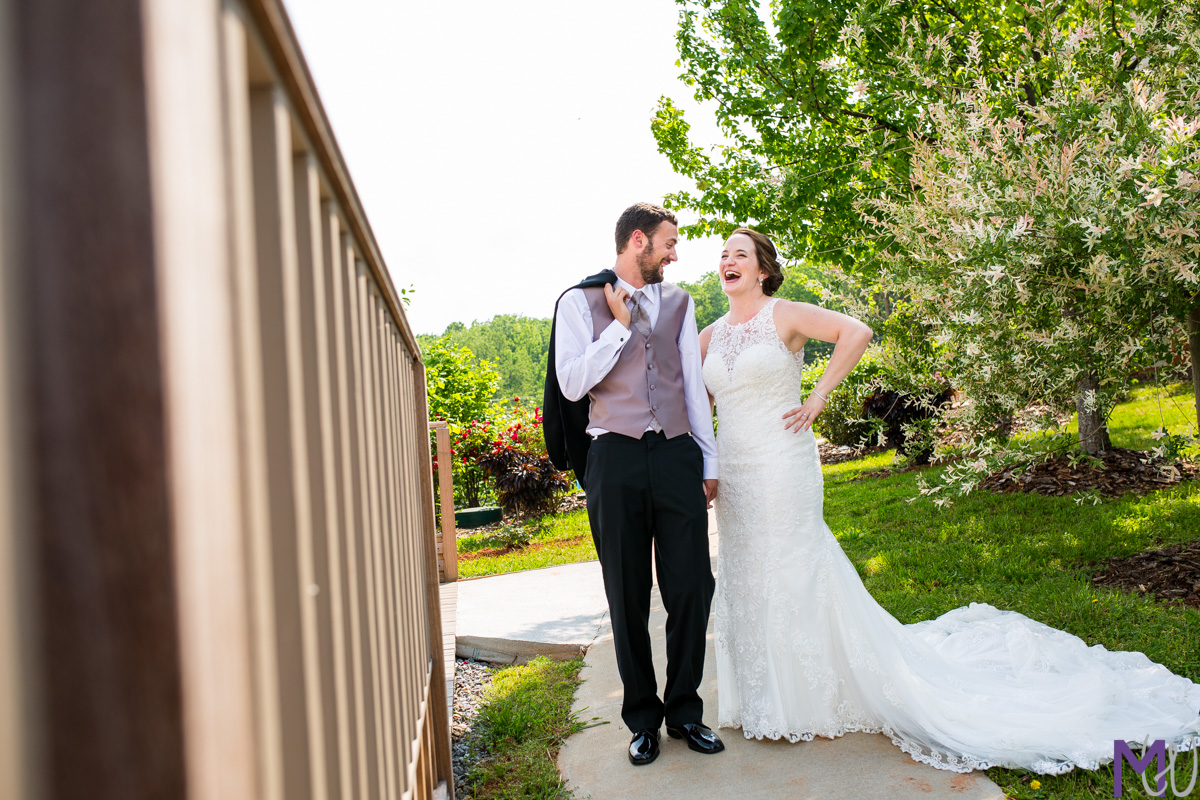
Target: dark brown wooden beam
{"type": "Point", "coordinates": [103, 560]}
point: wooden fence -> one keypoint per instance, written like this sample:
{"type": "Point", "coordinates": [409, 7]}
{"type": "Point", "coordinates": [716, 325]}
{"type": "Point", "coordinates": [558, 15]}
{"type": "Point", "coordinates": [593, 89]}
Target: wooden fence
{"type": "Point", "coordinates": [218, 571]}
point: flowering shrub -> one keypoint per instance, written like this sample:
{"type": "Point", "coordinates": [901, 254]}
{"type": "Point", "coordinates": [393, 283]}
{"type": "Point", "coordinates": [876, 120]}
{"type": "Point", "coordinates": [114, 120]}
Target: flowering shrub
{"type": "Point", "coordinates": [468, 443]}
{"type": "Point", "coordinates": [526, 483]}
{"type": "Point", "coordinates": [1046, 231]}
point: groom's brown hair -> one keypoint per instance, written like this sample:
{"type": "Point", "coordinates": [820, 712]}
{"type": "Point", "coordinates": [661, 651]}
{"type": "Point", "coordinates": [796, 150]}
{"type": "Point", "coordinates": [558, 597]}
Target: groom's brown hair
{"type": "Point", "coordinates": [644, 217]}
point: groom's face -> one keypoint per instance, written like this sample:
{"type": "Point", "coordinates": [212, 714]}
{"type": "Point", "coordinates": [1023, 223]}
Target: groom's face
{"type": "Point", "coordinates": [658, 252]}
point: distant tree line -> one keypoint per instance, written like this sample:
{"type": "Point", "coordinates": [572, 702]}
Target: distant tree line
{"type": "Point", "coordinates": [514, 345]}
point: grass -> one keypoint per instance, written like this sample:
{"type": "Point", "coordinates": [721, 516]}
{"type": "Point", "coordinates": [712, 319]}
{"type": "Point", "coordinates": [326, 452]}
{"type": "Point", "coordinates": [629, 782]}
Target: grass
{"type": "Point", "coordinates": [525, 718]}
{"type": "Point", "coordinates": [557, 539]}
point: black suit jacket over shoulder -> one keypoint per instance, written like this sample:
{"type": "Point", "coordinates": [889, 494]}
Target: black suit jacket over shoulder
{"type": "Point", "coordinates": [564, 422]}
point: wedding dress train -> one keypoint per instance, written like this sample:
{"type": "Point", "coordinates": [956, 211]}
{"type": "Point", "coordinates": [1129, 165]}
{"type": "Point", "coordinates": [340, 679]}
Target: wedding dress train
{"type": "Point", "coordinates": [803, 649]}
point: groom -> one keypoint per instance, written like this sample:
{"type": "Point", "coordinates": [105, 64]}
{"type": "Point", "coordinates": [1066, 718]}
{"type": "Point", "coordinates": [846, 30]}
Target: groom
{"type": "Point", "coordinates": [626, 408]}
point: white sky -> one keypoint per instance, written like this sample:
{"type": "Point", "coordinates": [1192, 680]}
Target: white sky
{"type": "Point", "coordinates": [494, 144]}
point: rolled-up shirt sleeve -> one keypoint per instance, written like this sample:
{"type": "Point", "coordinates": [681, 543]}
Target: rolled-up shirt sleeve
{"type": "Point", "coordinates": [580, 362]}
{"type": "Point", "coordinates": [695, 394]}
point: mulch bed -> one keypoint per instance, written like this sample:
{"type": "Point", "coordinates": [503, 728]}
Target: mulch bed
{"type": "Point", "coordinates": [837, 453]}
{"type": "Point", "coordinates": [1124, 471]}
{"type": "Point", "coordinates": [1171, 574]}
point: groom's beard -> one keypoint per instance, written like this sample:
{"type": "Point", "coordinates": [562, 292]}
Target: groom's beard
{"type": "Point", "coordinates": [650, 269]}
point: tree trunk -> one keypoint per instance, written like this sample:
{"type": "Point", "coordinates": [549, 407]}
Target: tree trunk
{"type": "Point", "coordinates": [1194, 347]}
{"type": "Point", "coordinates": [1093, 430]}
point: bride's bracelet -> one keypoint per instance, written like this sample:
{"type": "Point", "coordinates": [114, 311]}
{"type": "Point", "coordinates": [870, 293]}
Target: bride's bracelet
{"type": "Point", "coordinates": [823, 397]}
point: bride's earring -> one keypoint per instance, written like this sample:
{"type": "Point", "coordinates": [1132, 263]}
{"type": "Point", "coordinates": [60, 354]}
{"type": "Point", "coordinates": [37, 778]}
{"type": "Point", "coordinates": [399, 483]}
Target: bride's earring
{"type": "Point", "coordinates": [760, 280]}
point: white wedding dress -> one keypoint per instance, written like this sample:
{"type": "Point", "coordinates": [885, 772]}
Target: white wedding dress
{"type": "Point", "coordinates": [803, 649]}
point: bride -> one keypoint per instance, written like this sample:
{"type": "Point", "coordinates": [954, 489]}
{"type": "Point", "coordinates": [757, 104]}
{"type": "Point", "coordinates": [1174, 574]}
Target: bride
{"type": "Point", "coordinates": [803, 649]}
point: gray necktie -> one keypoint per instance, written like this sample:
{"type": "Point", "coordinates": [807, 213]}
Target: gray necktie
{"type": "Point", "coordinates": [638, 317]}
{"type": "Point", "coordinates": [641, 322]}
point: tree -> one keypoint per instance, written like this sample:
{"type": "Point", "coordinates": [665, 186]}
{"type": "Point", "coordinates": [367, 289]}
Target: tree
{"type": "Point", "coordinates": [825, 114]}
{"type": "Point", "coordinates": [515, 345]}
{"type": "Point", "coordinates": [814, 110]}
{"type": "Point", "coordinates": [460, 388]}
{"type": "Point", "coordinates": [1047, 229]}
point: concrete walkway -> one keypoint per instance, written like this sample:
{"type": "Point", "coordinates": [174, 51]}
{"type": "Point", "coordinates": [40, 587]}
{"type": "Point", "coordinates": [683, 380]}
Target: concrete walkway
{"type": "Point", "coordinates": [555, 605]}
{"type": "Point", "coordinates": [566, 605]}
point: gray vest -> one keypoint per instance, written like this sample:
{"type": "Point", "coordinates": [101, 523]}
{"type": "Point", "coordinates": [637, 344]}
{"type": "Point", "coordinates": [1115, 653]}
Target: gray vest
{"type": "Point", "coordinates": [647, 381]}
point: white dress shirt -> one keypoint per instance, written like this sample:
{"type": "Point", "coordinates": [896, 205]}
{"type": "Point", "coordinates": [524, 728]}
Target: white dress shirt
{"type": "Point", "coordinates": [582, 363]}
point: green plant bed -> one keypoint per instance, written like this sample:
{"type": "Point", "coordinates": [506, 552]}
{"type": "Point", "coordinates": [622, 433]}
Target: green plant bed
{"type": "Point", "coordinates": [525, 718]}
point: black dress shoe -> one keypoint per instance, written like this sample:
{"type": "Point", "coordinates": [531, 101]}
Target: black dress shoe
{"type": "Point", "coordinates": [699, 737]}
{"type": "Point", "coordinates": [643, 748]}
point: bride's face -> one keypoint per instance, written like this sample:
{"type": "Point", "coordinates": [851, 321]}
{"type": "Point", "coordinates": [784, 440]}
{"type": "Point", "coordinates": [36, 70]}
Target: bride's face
{"type": "Point", "coordinates": [739, 270]}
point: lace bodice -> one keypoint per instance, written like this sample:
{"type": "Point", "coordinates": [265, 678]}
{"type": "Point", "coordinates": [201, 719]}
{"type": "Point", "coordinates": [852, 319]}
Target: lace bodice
{"type": "Point", "coordinates": [730, 340]}
{"type": "Point", "coordinates": [750, 369]}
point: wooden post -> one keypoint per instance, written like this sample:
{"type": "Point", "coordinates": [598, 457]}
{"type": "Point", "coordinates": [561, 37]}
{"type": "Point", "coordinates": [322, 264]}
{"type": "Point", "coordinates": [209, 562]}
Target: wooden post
{"type": "Point", "coordinates": [193, 233]}
{"type": "Point", "coordinates": [446, 489]}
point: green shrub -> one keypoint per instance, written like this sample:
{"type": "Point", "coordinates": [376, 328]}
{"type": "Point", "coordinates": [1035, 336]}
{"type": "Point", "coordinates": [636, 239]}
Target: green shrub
{"type": "Point", "coordinates": [461, 392]}
{"type": "Point", "coordinates": [842, 421]}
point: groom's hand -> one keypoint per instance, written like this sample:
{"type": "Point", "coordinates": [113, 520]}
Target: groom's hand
{"type": "Point", "coordinates": [616, 297]}
{"type": "Point", "coordinates": [710, 491]}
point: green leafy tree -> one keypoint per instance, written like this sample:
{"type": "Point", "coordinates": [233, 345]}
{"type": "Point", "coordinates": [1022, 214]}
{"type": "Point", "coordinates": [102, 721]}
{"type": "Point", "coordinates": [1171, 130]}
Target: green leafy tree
{"type": "Point", "coordinates": [516, 346]}
{"type": "Point", "coordinates": [817, 112]}
{"type": "Point", "coordinates": [711, 302]}
{"type": "Point", "coordinates": [1047, 230]}
{"type": "Point", "coordinates": [461, 388]}
{"type": "Point", "coordinates": [461, 391]}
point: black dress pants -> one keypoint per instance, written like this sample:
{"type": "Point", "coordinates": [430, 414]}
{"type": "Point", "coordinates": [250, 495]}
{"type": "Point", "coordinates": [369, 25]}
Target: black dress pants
{"type": "Point", "coordinates": [645, 494]}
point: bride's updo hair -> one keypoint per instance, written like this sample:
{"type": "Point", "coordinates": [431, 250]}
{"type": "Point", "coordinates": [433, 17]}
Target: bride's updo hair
{"type": "Point", "coordinates": [767, 259]}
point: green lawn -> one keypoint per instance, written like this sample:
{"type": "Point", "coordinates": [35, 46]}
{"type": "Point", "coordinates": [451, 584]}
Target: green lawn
{"type": "Point", "coordinates": [1027, 553]}
{"type": "Point", "coordinates": [525, 718]}
{"type": "Point", "coordinates": [560, 539]}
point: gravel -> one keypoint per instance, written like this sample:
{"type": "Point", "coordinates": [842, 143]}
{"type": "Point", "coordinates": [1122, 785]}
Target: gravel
{"type": "Point", "coordinates": [470, 679]}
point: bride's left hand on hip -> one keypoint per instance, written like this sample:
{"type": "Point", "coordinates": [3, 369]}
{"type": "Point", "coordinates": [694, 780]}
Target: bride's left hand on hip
{"type": "Point", "coordinates": [801, 418]}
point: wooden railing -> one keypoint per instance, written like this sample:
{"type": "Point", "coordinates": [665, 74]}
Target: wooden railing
{"type": "Point", "coordinates": [218, 571]}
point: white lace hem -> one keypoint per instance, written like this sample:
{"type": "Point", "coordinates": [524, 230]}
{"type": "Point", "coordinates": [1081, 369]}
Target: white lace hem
{"type": "Point", "coordinates": [938, 759]}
